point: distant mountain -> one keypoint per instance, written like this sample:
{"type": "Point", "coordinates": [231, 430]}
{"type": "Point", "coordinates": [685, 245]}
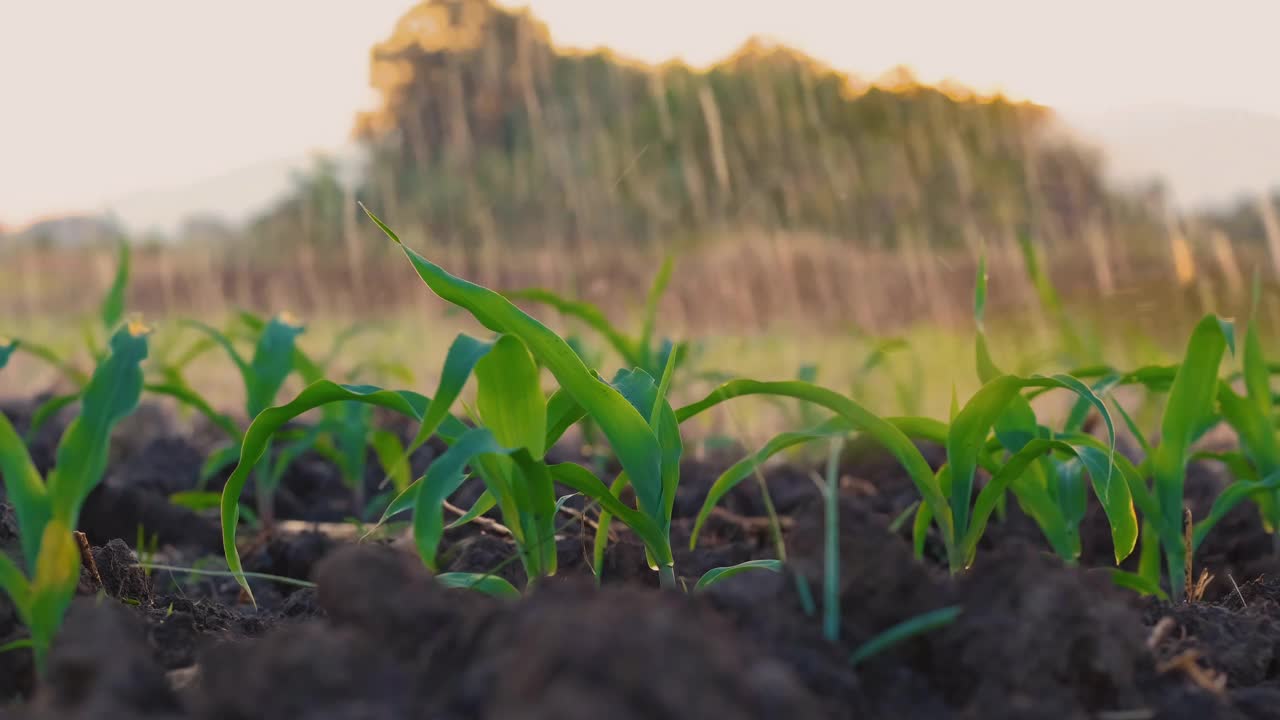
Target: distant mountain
{"type": "Point", "coordinates": [64, 230]}
{"type": "Point", "coordinates": [234, 197]}
{"type": "Point", "coordinates": [1205, 156]}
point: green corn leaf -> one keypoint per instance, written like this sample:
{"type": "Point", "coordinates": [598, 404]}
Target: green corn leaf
{"type": "Point", "coordinates": [729, 479]}
{"type": "Point", "coordinates": [887, 434]}
{"type": "Point", "coordinates": [536, 501]}
{"type": "Point", "coordinates": [289, 454]}
{"type": "Point", "coordinates": [443, 478]}
{"type": "Point", "coordinates": [715, 575]}
{"type": "Point", "coordinates": [258, 437]}
{"type": "Point", "coordinates": [57, 572]}
{"type": "Point", "coordinates": [585, 482]}
{"type": "Point", "coordinates": [601, 542]}
{"type": "Point", "coordinates": [1228, 499]}
{"type": "Point", "coordinates": [113, 304]}
{"type": "Point", "coordinates": [1138, 583]}
{"type": "Point", "coordinates": [586, 312]}
{"type": "Point", "coordinates": [48, 410]}
{"type": "Point", "coordinates": [459, 362]}
{"type": "Point", "coordinates": [509, 397]}
{"type": "Point", "coordinates": [391, 455]}
{"type": "Point", "coordinates": [196, 500]}
{"type": "Point", "coordinates": [190, 398]}
{"type": "Point", "coordinates": [639, 389]}
{"type": "Point", "coordinates": [403, 501]}
{"type": "Point", "coordinates": [487, 584]}
{"type": "Point", "coordinates": [221, 339]}
{"type": "Point", "coordinates": [905, 630]}
{"type": "Point", "coordinates": [1190, 402]}
{"type": "Point", "coordinates": [1236, 462]}
{"type": "Point", "coordinates": [51, 358]}
{"type": "Point", "coordinates": [1133, 428]}
{"type": "Point", "coordinates": [112, 393]}
{"type": "Point", "coordinates": [977, 417]}
{"type": "Point", "coordinates": [482, 505]}
{"type": "Point", "coordinates": [273, 360]}
{"type": "Point", "coordinates": [19, 644]}
{"type": "Point", "coordinates": [219, 460]}
{"type": "Point", "coordinates": [562, 412]}
{"type": "Point", "coordinates": [352, 434]}
{"type": "Point", "coordinates": [920, 524]}
{"type": "Point", "coordinates": [25, 489]}
{"type": "Point", "coordinates": [634, 444]}
{"type": "Point", "coordinates": [15, 584]}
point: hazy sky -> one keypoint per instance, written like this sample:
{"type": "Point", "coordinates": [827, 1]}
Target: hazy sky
{"type": "Point", "coordinates": [99, 100]}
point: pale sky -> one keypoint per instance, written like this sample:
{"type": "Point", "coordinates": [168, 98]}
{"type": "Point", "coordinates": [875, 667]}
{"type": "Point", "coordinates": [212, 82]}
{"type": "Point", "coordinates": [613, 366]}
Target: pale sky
{"type": "Point", "coordinates": [102, 100]}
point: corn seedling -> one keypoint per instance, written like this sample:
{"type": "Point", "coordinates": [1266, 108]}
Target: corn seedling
{"type": "Point", "coordinates": [48, 509]}
{"type": "Point", "coordinates": [948, 495]}
{"type": "Point", "coordinates": [110, 314]}
{"type": "Point", "coordinates": [274, 358]}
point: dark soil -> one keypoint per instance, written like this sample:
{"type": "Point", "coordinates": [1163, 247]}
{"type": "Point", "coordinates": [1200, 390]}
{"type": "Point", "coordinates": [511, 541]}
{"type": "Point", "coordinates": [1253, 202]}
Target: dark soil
{"type": "Point", "coordinates": [379, 638]}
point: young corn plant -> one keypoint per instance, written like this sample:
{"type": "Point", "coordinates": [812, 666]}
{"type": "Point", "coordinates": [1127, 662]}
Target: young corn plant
{"type": "Point", "coordinates": [1157, 482]}
{"type": "Point", "coordinates": [48, 509]}
{"type": "Point", "coordinates": [948, 495]}
{"type": "Point", "coordinates": [1051, 489]}
{"type": "Point", "coordinates": [516, 425]}
{"type": "Point", "coordinates": [110, 314]}
{"type": "Point", "coordinates": [275, 357]}
{"type": "Point", "coordinates": [632, 412]}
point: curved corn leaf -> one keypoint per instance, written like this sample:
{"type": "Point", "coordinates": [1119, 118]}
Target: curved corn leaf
{"type": "Point", "coordinates": [634, 444]}
{"type": "Point", "coordinates": [743, 469]}
{"type": "Point", "coordinates": [258, 437]}
{"type": "Point", "coordinates": [1138, 583]}
{"type": "Point", "coordinates": [391, 455]}
{"type": "Point", "coordinates": [584, 481]}
{"type": "Point", "coordinates": [905, 630]}
{"type": "Point", "coordinates": [884, 432]}
{"type": "Point", "coordinates": [196, 500]}
{"type": "Point", "coordinates": [443, 478]}
{"type": "Point", "coordinates": [112, 393]}
{"type": "Point", "coordinates": [715, 575]}
{"type": "Point", "coordinates": [1228, 499]}
{"type": "Point", "coordinates": [219, 460]}
{"type": "Point", "coordinates": [587, 313]}
{"type": "Point", "coordinates": [480, 582]}
{"type": "Point", "coordinates": [221, 340]}
{"type": "Point", "coordinates": [51, 358]}
{"type": "Point", "coordinates": [482, 505]}
{"type": "Point", "coordinates": [48, 410]}
{"type": "Point", "coordinates": [193, 400]}
{"type": "Point", "coordinates": [113, 304]}
{"type": "Point", "coordinates": [273, 360]}
{"type": "Point", "coordinates": [459, 362]}
{"type": "Point", "coordinates": [509, 398]}
{"type": "Point", "coordinates": [970, 427]}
